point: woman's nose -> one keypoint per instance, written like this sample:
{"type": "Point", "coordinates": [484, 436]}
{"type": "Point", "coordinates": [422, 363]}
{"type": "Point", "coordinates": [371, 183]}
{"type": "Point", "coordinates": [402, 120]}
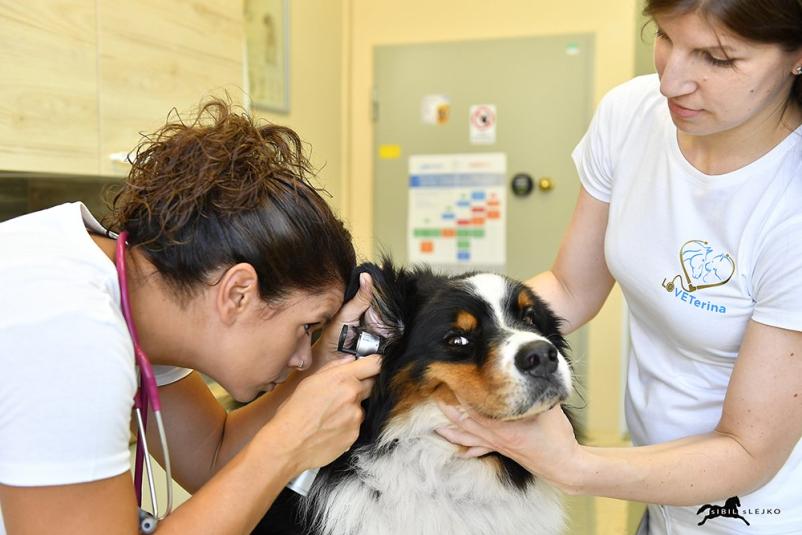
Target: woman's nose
{"type": "Point", "coordinates": [678, 77]}
{"type": "Point", "coordinates": [302, 358]}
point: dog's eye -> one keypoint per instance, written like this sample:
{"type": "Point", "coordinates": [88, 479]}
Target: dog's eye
{"type": "Point", "coordinates": [529, 316]}
{"type": "Point", "coordinates": [457, 340]}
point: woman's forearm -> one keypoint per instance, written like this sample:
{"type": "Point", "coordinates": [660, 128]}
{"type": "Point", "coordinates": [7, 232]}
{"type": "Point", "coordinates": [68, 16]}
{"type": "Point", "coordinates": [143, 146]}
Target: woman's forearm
{"type": "Point", "coordinates": [579, 282]}
{"type": "Point", "coordinates": [243, 423]}
{"type": "Point", "coordinates": [690, 471]}
{"type": "Point", "coordinates": [574, 311]}
{"type": "Point", "coordinates": [241, 491]}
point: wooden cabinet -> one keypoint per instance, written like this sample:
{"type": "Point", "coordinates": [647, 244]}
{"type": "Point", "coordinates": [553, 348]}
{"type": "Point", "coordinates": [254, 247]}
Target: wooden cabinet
{"type": "Point", "coordinates": [80, 79]}
{"type": "Point", "coordinates": [48, 86]}
{"type": "Point", "coordinates": [155, 56]}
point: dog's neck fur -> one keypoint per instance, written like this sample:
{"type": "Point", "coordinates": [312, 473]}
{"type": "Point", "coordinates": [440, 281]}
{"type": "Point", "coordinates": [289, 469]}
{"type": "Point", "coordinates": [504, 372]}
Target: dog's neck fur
{"type": "Point", "coordinates": [411, 482]}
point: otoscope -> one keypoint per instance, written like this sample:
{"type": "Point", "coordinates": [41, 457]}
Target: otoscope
{"type": "Point", "coordinates": [354, 341]}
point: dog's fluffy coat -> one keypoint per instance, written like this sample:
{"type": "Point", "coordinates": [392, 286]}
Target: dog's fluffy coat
{"type": "Point", "coordinates": [481, 338]}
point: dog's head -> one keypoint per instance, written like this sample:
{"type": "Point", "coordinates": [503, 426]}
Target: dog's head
{"type": "Point", "coordinates": [481, 338]}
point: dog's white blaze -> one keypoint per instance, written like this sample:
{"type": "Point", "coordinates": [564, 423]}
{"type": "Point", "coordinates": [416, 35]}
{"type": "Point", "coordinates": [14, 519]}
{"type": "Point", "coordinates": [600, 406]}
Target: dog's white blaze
{"type": "Point", "coordinates": [426, 489]}
{"type": "Point", "coordinates": [494, 289]}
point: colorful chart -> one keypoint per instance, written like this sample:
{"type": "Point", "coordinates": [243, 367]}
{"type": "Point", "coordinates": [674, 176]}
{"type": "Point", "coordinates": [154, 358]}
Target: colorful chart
{"type": "Point", "coordinates": [457, 209]}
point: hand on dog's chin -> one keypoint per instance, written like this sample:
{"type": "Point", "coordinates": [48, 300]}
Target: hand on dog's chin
{"type": "Point", "coordinates": [469, 444]}
{"type": "Point", "coordinates": [538, 443]}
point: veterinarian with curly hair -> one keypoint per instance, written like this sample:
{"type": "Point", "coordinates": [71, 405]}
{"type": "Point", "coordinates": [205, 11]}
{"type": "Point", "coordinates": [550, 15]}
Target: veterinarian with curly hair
{"type": "Point", "coordinates": [692, 202]}
{"type": "Point", "coordinates": [234, 261]}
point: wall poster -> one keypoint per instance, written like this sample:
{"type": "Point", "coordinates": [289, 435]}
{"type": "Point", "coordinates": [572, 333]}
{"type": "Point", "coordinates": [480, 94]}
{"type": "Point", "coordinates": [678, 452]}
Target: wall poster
{"type": "Point", "coordinates": [267, 53]}
{"type": "Point", "coordinates": [457, 209]}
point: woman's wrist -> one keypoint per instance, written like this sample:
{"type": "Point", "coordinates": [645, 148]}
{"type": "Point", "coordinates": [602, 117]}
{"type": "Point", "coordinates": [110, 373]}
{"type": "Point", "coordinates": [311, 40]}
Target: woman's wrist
{"type": "Point", "coordinates": [571, 476]}
{"type": "Point", "coordinates": [274, 446]}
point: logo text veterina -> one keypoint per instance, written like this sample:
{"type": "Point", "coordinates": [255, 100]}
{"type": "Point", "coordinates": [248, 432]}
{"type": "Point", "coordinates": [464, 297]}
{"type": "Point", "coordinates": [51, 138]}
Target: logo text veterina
{"type": "Point", "coordinates": [682, 295]}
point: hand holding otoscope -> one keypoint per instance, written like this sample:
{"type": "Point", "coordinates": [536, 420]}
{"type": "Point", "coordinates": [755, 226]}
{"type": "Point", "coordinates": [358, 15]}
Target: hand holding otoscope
{"type": "Point", "coordinates": [354, 340]}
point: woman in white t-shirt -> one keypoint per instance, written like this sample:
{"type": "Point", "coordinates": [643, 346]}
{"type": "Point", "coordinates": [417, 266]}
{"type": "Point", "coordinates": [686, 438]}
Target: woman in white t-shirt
{"type": "Point", "coordinates": [692, 202]}
{"type": "Point", "coordinates": [234, 262]}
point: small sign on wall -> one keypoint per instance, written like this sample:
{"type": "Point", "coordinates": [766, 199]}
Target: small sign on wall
{"type": "Point", "coordinates": [435, 109]}
{"type": "Point", "coordinates": [482, 124]}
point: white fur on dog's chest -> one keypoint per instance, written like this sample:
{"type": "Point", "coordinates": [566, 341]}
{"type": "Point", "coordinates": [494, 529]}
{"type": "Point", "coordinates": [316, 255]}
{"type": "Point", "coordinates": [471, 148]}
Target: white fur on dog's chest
{"type": "Point", "coordinates": [421, 488]}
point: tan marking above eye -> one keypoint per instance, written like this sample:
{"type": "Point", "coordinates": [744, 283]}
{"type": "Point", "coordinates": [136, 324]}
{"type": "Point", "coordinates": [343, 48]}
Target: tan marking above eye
{"type": "Point", "coordinates": [466, 322]}
{"type": "Point", "coordinates": [524, 299]}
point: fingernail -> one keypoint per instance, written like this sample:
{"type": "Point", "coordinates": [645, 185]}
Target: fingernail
{"type": "Point", "coordinates": [363, 280]}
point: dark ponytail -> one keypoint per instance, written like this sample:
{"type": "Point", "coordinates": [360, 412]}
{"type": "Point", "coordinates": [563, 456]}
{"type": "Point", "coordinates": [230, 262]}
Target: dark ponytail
{"type": "Point", "coordinates": [204, 196]}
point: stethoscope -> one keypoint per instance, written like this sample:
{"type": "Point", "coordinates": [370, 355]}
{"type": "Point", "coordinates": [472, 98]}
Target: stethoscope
{"type": "Point", "coordinates": [147, 393]}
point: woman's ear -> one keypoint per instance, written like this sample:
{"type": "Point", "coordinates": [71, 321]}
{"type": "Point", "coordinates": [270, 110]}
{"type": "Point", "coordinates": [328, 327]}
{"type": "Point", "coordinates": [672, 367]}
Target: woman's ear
{"type": "Point", "coordinates": [237, 292]}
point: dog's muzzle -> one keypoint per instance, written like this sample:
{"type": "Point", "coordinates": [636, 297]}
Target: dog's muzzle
{"type": "Point", "coordinates": [538, 359]}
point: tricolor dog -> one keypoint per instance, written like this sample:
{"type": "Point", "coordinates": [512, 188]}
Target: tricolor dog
{"type": "Point", "coordinates": [482, 338]}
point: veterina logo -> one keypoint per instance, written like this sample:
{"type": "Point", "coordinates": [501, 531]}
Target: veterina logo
{"type": "Point", "coordinates": [704, 267]}
{"type": "Point", "coordinates": [730, 509]}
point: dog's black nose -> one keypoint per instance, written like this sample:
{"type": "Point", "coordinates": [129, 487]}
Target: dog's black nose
{"type": "Point", "coordinates": [537, 358]}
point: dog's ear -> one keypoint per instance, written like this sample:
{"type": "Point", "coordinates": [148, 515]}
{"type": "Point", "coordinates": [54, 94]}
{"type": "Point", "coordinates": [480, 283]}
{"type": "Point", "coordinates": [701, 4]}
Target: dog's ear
{"type": "Point", "coordinates": [385, 315]}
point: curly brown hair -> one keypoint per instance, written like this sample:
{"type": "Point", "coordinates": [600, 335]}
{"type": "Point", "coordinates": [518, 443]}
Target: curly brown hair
{"type": "Point", "coordinates": [221, 190]}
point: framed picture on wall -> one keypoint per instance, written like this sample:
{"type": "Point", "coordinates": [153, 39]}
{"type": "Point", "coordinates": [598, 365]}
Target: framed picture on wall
{"type": "Point", "coordinates": [267, 29]}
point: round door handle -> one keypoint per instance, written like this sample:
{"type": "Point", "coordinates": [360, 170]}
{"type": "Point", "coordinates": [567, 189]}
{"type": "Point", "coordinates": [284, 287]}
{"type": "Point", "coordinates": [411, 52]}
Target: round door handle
{"type": "Point", "coordinates": [545, 184]}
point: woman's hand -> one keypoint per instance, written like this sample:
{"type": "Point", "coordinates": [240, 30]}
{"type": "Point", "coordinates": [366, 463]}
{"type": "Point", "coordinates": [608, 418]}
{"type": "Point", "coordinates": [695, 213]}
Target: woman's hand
{"type": "Point", "coordinates": [544, 444]}
{"type": "Point", "coordinates": [321, 419]}
{"type": "Point", "coordinates": [325, 349]}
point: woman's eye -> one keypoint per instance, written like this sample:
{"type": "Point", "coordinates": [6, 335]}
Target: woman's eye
{"type": "Point", "coordinates": [309, 328]}
{"type": "Point", "coordinates": [458, 340]}
{"type": "Point", "coordinates": [313, 331]}
{"type": "Point", "coordinates": [718, 62]}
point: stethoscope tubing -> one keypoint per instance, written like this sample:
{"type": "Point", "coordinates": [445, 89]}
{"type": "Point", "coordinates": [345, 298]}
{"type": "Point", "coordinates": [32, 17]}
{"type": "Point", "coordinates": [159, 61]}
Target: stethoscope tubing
{"type": "Point", "coordinates": [147, 393]}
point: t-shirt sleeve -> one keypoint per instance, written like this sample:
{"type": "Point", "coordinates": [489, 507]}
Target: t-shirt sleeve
{"type": "Point", "coordinates": [625, 114]}
{"type": "Point", "coordinates": [777, 278]}
{"type": "Point", "coordinates": [66, 394]}
{"type": "Point", "coordinates": [593, 156]}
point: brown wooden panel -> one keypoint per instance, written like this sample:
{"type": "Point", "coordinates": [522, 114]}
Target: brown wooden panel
{"type": "Point", "coordinates": [155, 56]}
{"type": "Point", "coordinates": [48, 86]}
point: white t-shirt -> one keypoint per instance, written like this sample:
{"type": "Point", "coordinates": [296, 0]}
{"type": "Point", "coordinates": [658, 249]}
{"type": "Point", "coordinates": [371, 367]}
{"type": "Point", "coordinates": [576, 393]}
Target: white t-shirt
{"type": "Point", "coordinates": [697, 257]}
{"type": "Point", "coordinates": [67, 374]}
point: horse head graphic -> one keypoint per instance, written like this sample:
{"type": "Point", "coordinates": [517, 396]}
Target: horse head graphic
{"type": "Point", "coordinates": [703, 267]}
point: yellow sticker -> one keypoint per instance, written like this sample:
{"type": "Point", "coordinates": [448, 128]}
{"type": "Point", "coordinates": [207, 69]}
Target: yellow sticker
{"type": "Point", "coordinates": [389, 152]}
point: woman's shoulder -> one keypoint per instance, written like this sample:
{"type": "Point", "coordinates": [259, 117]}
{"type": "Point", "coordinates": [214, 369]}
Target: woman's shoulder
{"type": "Point", "coordinates": [54, 276]}
{"type": "Point", "coordinates": [644, 85]}
{"type": "Point", "coordinates": [638, 97]}
{"type": "Point", "coordinates": [784, 190]}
